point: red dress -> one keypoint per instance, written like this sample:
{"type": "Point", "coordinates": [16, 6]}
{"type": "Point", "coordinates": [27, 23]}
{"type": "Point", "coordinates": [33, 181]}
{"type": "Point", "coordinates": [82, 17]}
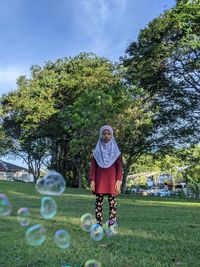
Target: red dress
{"type": "Point", "coordinates": [105, 178]}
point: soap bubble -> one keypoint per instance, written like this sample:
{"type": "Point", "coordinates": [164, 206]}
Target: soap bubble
{"type": "Point", "coordinates": [52, 184]}
{"type": "Point", "coordinates": [112, 229]}
{"type": "Point", "coordinates": [23, 216]}
{"type": "Point", "coordinates": [62, 238]}
{"type": "Point", "coordinates": [96, 232]}
{"type": "Point", "coordinates": [5, 205]}
{"type": "Point", "coordinates": [48, 207]}
{"type": "Point", "coordinates": [36, 235]}
{"type": "Point", "coordinates": [87, 220]}
{"type": "Point", "coordinates": [92, 263]}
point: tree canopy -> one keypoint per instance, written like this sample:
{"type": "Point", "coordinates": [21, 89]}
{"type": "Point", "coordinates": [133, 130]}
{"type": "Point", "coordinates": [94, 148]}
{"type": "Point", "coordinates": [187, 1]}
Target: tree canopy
{"type": "Point", "coordinates": [165, 62]}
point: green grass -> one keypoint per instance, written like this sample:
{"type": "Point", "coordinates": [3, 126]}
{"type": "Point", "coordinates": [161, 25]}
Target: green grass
{"type": "Point", "coordinates": [152, 231]}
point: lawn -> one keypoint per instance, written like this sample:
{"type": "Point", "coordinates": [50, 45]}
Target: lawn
{"type": "Point", "coordinates": [152, 231]}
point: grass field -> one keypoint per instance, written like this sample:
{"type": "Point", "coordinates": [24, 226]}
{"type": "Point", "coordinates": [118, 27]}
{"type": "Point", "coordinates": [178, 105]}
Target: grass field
{"type": "Point", "coordinates": [152, 231]}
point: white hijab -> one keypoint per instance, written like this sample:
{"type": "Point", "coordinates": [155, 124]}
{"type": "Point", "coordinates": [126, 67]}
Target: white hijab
{"type": "Point", "coordinates": [106, 154]}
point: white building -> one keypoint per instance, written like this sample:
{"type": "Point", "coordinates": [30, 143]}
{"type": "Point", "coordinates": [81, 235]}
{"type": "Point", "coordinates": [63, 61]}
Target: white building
{"type": "Point", "coordinates": [11, 172]}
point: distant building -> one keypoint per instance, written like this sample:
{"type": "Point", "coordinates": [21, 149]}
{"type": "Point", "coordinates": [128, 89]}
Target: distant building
{"type": "Point", "coordinates": [149, 177]}
{"type": "Point", "coordinates": [11, 172]}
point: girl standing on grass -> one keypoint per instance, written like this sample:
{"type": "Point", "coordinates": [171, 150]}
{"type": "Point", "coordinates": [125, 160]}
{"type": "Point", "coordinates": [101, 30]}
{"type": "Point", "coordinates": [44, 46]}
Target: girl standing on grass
{"type": "Point", "coordinates": [106, 173]}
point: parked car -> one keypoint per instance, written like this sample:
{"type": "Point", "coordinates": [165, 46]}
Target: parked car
{"type": "Point", "coordinates": [143, 192]}
{"type": "Point", "coordinates": [155, 191]}
{"type": "Point", "coordinates": [134, 190]}
{"type": "Point", "coordinates": [160, 192]}
{"type": "Point", "coordinates": [164, 193]}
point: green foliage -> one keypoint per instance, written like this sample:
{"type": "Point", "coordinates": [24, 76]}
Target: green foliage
{"type": "Point", "coordinates": [194, 186]}
{"type": "Point", "coordinates": [54, 117]}
{"type": "Point", "coordinates": [181, 193]}
{"type": "Point", "coordinates": [51, 115]}
{"type": "Point", "coordinates": [145, 163]}
{"type": "Point", "coordinates": [165, 62]}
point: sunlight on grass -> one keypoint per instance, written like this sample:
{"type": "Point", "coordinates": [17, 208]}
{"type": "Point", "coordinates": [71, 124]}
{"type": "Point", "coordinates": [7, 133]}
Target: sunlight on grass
{"type": "Point", "coordinates": [157, 202]}
{"type": "Point", "coordinates": [36, 195]}
{"type": "Point", "coordinates": [150, 235]}
{"type": "Point", "coordinates": [152, 231]}
{"type": "Point", "coordinates": [78, 195]}
{"type": "Point", "coordinates": [72, 220]}
{"type": "Point", "coordinates": [26, 195]}
{"type": "Point", "coordinates": [168, 203]}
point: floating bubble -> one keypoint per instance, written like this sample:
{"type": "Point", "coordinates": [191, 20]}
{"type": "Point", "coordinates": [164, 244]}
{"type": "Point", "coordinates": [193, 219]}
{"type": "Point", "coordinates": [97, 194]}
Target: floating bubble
{"type": "Point", "coordinates": [48, 207]}
{"type": "Point", "coordinates": [87, 220]}
{"type": "Point", "coordinates": [62, 238]}
{"type": "Point", "coordinates": [5, 205]}
{"type": "Point", "coordinates": [23, 216]}
{"type": "Point", "coordinates": [96, 232]}
{"type": "Point", "coordinates": [111, 230]}
{"type": "Point", "coordinates": [36, 235]}
{"type": "Point", "coordinates": [52, 184]}
{"type": "Point", "coordinates": [92, 263]}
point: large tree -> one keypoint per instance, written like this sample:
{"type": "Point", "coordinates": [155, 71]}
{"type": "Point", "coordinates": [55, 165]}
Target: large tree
{"type": "Point", "coordinates": [56, 115]}
{"type": "Point", "coordinates": [41, 116]}
{"type": "Point", "coordinates": [165, 62]}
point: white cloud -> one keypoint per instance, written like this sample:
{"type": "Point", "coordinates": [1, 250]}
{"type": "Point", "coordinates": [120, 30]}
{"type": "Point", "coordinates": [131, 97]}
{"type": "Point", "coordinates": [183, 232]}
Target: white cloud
{"type": "Point", "coordinates": [8, 77]}
{"type": "Point", "coordinates": [9, 74]}
{"type": "Point", "coordinates": [96, 17]}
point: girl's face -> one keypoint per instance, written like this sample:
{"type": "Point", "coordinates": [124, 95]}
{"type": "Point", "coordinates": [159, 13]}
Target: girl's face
{"type": "Point", "coordinates": [106, 136]}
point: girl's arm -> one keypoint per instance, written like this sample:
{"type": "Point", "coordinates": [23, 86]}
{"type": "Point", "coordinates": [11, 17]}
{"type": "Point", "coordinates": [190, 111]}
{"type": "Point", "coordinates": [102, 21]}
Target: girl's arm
{"type": "Point", "coordinates": [118, 165]}
{"type": "Point", "coordinates": [93, 168]}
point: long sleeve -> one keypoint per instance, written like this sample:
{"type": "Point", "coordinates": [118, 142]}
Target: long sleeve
{"type": "Point", "coordinates": [93, 168]}
{"type": "Point", "coordinates": [118, 165]}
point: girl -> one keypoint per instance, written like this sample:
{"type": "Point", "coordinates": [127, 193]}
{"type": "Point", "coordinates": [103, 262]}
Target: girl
{"type": "Point", "coordinates": [106, 173]}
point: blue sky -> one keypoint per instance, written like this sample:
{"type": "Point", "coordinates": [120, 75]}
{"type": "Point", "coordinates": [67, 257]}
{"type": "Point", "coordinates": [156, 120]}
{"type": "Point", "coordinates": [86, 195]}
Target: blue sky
{"type": "Point", "coordinates": [35, 31]}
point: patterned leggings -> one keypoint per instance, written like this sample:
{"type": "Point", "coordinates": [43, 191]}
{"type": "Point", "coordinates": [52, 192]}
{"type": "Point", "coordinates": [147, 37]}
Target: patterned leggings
{"type": "Point", "coordinates": [99, 207]}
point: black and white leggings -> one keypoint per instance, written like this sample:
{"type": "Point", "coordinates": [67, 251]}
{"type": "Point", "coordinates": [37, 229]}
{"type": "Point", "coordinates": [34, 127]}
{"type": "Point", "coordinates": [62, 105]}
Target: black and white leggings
{"type": "Point", "coordinates": [99, 208]}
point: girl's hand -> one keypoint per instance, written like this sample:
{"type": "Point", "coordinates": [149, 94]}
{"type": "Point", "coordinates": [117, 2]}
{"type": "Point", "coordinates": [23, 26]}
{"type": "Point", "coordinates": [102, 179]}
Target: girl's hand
{"type": "Point", "coordinates": [118, 186]}
{"type": "Point", "coordinates": [92, 186]}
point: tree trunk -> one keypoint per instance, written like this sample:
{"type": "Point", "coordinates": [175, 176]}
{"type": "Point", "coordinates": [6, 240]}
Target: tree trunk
{"type": "Point", "coordinates": [35, 178]}
{"type": "Point", "coordinates": [126, 171]}
{"type": "Point", "coordinates": [79, 177]}
{"type": "Point", "coordinates": [54, 158]}
{"type": "Point", "coordinates": [77, 164]}
{"type": "Point", "coordinates": [34, 171]}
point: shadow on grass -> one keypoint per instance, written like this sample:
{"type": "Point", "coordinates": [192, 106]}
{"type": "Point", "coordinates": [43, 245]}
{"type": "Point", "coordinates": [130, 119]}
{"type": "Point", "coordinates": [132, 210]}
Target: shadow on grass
{"type": "Point", "coordinates": [137, 248]}
{"type": "Point", "coordinates": [152, 232]}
